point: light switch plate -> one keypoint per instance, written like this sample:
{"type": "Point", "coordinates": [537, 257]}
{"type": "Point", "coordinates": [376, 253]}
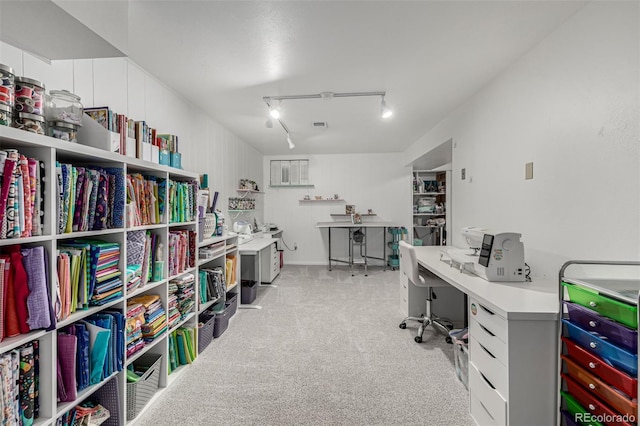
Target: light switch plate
{"type": "Point", "coordinates": [528, 171]}
{"type": "Point", "coordinates": [464, 174]}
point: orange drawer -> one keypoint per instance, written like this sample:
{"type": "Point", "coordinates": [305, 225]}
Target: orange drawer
{"type": "Point", "coordinates": [601, 369]}
{"type": "Point", "coordinates": [615, 399]}
{"type": "Point", "coordinates": [591, 403]}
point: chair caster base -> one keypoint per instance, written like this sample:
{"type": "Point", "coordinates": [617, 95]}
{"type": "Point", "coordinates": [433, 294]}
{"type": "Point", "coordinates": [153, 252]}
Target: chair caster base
{"type": "Point", "coordinates": [449, 340]}
{"type": "Point", "coordinates": [418, 339]}
{"type": "Point", "coordinates": [403, 325]}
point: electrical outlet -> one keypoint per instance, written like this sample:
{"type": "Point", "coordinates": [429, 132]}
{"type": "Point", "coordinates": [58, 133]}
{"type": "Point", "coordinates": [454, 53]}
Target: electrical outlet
{"type": "Point", "coordinates": [464, 174]}
{"type": "Point", "coordinates": [528, 171]}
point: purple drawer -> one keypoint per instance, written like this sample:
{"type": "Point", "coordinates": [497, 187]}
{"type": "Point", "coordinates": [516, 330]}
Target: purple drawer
{"type": "Point", "coordinates": [610, 330]}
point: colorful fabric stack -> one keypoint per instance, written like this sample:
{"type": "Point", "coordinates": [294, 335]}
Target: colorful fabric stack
{"type": "Point", "coordinates": [135, 321]}
{"type": "Point", "coordinates": [174, 313]}
{"type": "Point", "coordinates": [155, 317]}
{"type": "Point", "coordinates": [19, 385]}
{"type": "Point", "coordinates": [107, 275]}
{"type": "Point", "coordinates": [185, 293]}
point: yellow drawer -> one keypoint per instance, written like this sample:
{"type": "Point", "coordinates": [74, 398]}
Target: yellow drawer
{"type": "Point", "coordinates": [487, 406]}
{"type": "Point", "coordinates": [486, 317]}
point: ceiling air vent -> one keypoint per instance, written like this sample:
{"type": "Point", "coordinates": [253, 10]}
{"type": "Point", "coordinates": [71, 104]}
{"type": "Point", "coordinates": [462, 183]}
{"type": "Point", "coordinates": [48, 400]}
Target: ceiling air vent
{"type": "Point", "coordinates": [320, 124]}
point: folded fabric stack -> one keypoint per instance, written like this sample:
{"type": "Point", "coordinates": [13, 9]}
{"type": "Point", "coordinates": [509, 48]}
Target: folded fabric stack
{"type": "Point", "coordinates": [155, 317]}
{"type": "Point", "coordinates": [185, 293]}
{"type": "Point", "coordinates": [134, 277]}
{"type": "Point", "coordinates": [108, 281]}
{"type": "Point", "coordinates": [174, 313]}
{"type": "Point", "coordinates": [135, 321]}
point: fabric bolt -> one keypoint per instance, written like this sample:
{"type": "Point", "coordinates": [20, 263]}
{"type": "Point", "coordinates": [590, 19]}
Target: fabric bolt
{"type": "Point", "coordinates": [67, 356]}
{"type": "Point", "coordinates": [8, 224]}
{"type": "Point", "coordinates": [21, 288]}
{"type": "Point", "coordinates": [42, 179]}
{"type": "Point", "coordinates": [100, 221]}
{"type": "Point", "coordinates": [93, 198]}
{"type": "Point", "coordinates": [11, 321]}
{"type": "Point", "coordinates": [36, 371]}
{"type": "Point", "coordinates": [7, 173]}
{"type": "Point", "coordinates": [119, 196]}
{"type": "Point", "coordinates": [135, 247]}
{"type": "Point", "coordinates": [15, 391]}
{"type": "Point", "coordinates": [88, 184]}
{"type": "Point", "coordinates": [18, 225]}
{"type": "Point", "coordinates": [2, 302]}
{"type": "Point", "coordinates": [26, 209]}
{"type": "Point", "coordinates": [71, 199]}
{"type": "Point", "coordinates": [38, 301]}
{"type": "Point", "coordinates": [6, 375]}
{"type": "Point", "coordinates": [34, 169]}
{"type": "Point", "coordinates": [27, 386]}
{"type": "Point", "coordinates": [79, 197]}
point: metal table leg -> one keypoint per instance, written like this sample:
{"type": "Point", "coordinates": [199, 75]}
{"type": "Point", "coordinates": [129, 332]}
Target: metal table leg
{"type": "Point", "coordinates": [329, 228]}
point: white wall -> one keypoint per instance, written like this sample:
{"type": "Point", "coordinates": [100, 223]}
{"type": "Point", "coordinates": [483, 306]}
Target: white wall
{"type": "Point", "coordinates": [370, 181]}
{"type": "Point", "coordinates": [571, 106]}
{"type": "Point", "coordinates": [120, 84]}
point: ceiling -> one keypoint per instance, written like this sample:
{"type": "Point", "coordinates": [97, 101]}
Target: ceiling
{"type": "Point", "coordinates": [225, 56]}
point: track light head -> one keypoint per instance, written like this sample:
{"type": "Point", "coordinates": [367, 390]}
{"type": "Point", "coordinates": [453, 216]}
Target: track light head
{"type": "Point", "coordinates": [290, 142]}
{"type": "Point", "coordinates": [275, 112]}
{"type": "Point", "coordinates": [269, 123]}
{"type": "Point", "coordinates": [386, 112]}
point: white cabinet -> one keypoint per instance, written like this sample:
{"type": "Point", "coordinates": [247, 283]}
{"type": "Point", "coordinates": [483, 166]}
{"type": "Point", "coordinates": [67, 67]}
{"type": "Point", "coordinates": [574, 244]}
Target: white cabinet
{"type": "Point", "coordinates": [270, 263]}
{"type": "Point", "coordinates": [508, 360]}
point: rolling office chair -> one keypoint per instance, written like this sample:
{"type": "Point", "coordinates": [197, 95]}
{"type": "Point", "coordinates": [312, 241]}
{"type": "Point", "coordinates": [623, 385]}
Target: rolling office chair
{"type": "Point", "coordinates": [421, 277]}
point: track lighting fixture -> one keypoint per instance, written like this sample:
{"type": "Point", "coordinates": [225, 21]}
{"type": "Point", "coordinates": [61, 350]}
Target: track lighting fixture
{"type": "Point", "coordinates": [269, 123]}
{"type": "Point", "coordinates": [386, 112]}
{"type": "Point", "coordinates": [274, 111]}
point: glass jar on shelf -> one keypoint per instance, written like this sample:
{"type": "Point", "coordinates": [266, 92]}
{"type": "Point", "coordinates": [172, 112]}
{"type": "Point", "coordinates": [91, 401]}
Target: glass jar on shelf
{"type": "Point", "coordinates": [6, 114]}
{"type": "Point", "coordinates": [63, 131]}
{"type": "Point", "coordinates": [64, 106]}
{"type": "Point", "coordinates": [30, 122]}
{"type": "Point", "coordinates": [7, 85]}
{"type": "Point", "coordinates": [29, 96]}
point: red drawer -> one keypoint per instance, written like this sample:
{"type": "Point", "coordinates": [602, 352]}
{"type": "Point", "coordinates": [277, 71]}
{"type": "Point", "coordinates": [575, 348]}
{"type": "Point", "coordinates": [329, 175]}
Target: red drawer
{"type": "Point", "coordinates": [591, 403]}
{"type": "Point", "coordinates": [615, 399]}
{"type": "Point", "coordinates": [601, 369]}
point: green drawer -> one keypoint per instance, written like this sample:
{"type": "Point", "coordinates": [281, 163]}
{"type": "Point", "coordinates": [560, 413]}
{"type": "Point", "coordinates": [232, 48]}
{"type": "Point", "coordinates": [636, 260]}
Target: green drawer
{"type": "Point", "coordinates": [574, 407]}
{"type": "Point", "coordinates": [619, 311]}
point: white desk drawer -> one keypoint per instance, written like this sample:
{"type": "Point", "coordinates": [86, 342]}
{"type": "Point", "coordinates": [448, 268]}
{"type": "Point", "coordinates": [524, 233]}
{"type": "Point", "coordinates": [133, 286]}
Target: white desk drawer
{"type": "Point", "coordinates": [487, 406]}
{"type": "Point", "coordinates": [489, 366]}
{"type": "Point", "coordinates": [485, 337]}
{"type": "Point", "coordinates": [488, 319]}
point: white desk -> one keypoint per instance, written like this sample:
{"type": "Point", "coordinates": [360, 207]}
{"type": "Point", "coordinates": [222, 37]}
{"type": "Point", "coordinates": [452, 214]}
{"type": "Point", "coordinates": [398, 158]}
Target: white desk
{"type": "Point", "coordinates": [350, 227]}
{"type": "Point", "coordinates": [512, 346]}
{"type": "Point", "coordinates": [254, 249]}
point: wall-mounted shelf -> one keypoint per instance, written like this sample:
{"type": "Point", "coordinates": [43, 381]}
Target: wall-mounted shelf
{"type": "Point", "coordinates": [292, 186]}
{"type": "Point", "coordinates": [253, 191]}
{"type": "Point", "coordinates": [429, 194]}
{"type": "Point", "coordinates": [323, 200]}
{"type": "Point", "coordinates": [345, 214]}
{"type": "Point", "coordinates": [239, 211]}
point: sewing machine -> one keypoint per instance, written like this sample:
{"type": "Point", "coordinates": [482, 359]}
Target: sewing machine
{"type": "Point", "coordinates": [492, 256]}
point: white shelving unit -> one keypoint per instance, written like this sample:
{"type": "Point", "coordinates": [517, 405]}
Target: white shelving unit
{"type": "Point", "coordinates": [430, 185]}
{"type": "Point", "coordinates": [49, 151]}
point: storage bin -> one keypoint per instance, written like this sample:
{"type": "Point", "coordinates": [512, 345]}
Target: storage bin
{"type": "Point", "coordinates": [205, 329]}
{"type": "Point", "coordinates": [619, 311]}
{"type": "Point", "coordinates": [586, 399]}
{"type": "Point", "coordinates": [612, 354]}
{"type": "Point", "coordinates": [232, 303]}
{"type": "Point", "coordinates": [461, 357]}
{"type": "Point", "coordinates": [29, 96]}
{"type": "Point", "coordinates": [164, 157]}
{"type": "Point", "coordinates": [615, 333]}
{"type": "Point", "coordinates": [609, 395]}
{"type": "Point", "coordinates": [394, 260]}
{"type": "Point", "coordinates": [140, 392]}
{"type": "Point", "coordinates": [109, 397]}
{"type": "Point", "coordinates": [572, 408]}
{"type": "Point", "coordinates": [221, 323]}
{"type": "Point", "coordinates": [175, 159]}
{"type": "Point", "coordinates": [7, 85]}
{"type": "Point", "coordinates": [248, 292]}
{"type": "Point", "coordinates": [601, 369]}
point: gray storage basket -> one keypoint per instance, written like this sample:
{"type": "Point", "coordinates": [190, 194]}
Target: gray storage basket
{"type": "Point", "coordinates": [140, 392]}
{"type": "Point", "coordinates": [205, 332]}
{"type": "Point", "coordinates": [109, 397]}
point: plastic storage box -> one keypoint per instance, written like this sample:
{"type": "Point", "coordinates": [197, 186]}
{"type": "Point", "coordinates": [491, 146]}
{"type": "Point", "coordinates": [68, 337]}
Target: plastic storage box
{"type": "Point", "coordinates": [205, 331]}
{"type": "Point", "coordinates": [231, 304]}
{"type": "Point", "coordinates": [140, 392]}
{"type": "Point", "coordinates": [222, 322]}
{"type": "Point", "coordinates": [249, 291]}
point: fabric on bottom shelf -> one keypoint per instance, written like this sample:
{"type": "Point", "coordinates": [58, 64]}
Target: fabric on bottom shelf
{"type": "Point", "coordinates": [18, 385]}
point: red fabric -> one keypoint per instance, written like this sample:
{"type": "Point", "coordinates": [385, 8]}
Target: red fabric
{"type": "Point", "coordinates": [21, 289]}
{"type": "Point", "coordinates": [11, 327]}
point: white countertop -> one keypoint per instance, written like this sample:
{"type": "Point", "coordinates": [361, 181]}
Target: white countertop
{"type": "Point", "coordinates": [256, 245]}
{"type": "Point", "coordinates": [355, 225]}
{"type": "Point", "coordinates": [537, 300]}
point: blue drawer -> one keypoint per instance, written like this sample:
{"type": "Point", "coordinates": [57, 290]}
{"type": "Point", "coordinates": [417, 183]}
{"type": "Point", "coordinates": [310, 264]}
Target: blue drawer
{"type": "Point", "coordinates": [612, 354]}
{"type": "Point", "coordinates": [608, 329]}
